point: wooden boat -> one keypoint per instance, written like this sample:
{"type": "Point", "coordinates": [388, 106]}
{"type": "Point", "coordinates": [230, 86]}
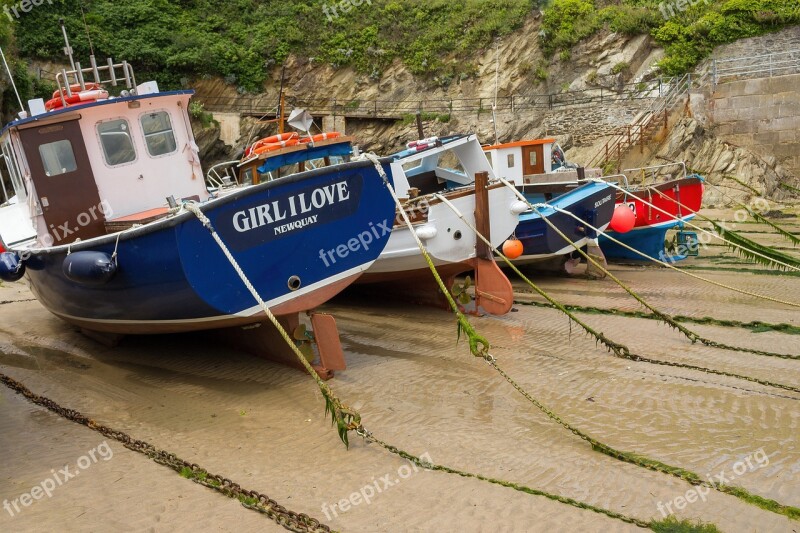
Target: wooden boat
{"type": "Point", "coordinates": [539, 170]}
{"type": "Point", "coordinates": [676, 201]}
{"type": "Point", "coordinates": [99, 227]}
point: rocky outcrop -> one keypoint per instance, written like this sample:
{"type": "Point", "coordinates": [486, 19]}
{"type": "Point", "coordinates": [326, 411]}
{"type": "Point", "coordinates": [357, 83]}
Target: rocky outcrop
{"type": "Point", "coordinates": [212, 149]}
{"type": "Point", "coordinates": [720, 162]}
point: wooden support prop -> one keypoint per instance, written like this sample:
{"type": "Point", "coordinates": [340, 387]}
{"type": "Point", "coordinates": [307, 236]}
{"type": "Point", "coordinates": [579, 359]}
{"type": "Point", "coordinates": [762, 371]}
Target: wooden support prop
{"type": "Point", "coordinates": [263, 340]}
{"type": "Point", "coordinates": [493, 291]}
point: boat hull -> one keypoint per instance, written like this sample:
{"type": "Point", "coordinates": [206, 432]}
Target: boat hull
{"type": "Point", "coordinates": [453, 246]}
{"type": "Point", "coordinates": [651, 225]}
{"type": "Point", "coordinates": [592, 203]}
{"type": "Point", "coordinates": [314, 231]}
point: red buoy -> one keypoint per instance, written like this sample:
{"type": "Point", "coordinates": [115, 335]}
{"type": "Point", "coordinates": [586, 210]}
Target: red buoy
{"type": "Point", "coordinates": [623, 219]}
{"type": "Point", "coordinates": [512, 248]}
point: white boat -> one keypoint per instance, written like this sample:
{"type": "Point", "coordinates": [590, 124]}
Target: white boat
{"type": "Point", "coordinates": [425, 175]}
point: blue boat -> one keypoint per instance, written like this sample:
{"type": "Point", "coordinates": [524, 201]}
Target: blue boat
{"type": "Point", "coordinates": [538, 170]}
{"type": "Point", "coordinates": [101, 185]}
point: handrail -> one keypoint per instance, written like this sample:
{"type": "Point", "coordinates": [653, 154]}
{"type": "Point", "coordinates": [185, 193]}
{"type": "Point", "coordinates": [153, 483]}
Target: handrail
{"type": "Point", "coordinates": [758, 66]}
{"type": "Point", "coordinates": [63, 77]}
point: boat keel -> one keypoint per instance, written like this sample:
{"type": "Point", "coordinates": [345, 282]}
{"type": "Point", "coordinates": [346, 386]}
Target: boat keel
{"type": "Point", "coordinates": [494, 294]}
{"type": "Point", "coordinates": [263, 340]}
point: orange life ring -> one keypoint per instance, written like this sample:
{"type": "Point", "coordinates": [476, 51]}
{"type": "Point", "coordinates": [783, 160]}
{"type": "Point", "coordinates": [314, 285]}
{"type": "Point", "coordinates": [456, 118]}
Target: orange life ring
{"type": "Point", "coordinates": [321, 137]}
{"type": "Point", "coordinates": [269, 147]}
{"type": "Point", "coordinates": [82, 97]}
{"type": "Point", "coordinates": [274, 142]}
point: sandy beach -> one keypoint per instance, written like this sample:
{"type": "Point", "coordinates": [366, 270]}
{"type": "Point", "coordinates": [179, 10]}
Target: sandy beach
{"type": "Point", "coordinates": [263, 425]}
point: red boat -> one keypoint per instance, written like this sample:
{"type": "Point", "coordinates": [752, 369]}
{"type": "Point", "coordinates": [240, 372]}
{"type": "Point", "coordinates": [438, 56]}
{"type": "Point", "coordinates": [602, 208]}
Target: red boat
{"type": "Point", "coordinates": [673, 203]}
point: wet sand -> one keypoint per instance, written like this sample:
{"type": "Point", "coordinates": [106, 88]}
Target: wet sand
{"type": "Point", "coordinates": [263, 425]}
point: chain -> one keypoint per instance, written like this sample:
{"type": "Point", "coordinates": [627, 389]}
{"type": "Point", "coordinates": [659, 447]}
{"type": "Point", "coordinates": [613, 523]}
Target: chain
{"type": "Point", "coordinates": [370, 438]}
{"type": "Point", "coordinates": [6, 302]}
{"type": "Point", "coordinates": [692, 336]}
{"type": "Point", "coordinates": [250, 499]}
{"type": "Point", "coordinates": [652, 464]}
{"type": "Point", "coordinates": [636, 459]}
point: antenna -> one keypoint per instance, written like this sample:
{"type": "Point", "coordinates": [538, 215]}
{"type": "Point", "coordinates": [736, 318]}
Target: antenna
{"type": "Point", "coordinates": [67, 48]}
{"type": "Point", "coordinates": [496, 82]}
{"type": "Point", "coordinates": [13, 84]}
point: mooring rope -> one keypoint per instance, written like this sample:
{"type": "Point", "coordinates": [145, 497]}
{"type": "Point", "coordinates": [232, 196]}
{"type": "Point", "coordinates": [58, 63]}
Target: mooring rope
{"type": "Point", "coordinates": [698, 228]}
{"type": "Point", "coordinates": [478, 345]}
{"type": "Point", "coordinates": [748, 247]}
{"type": "Point", "coordinates": [343, 416]}
{"type": "Point", "coordinates": [628, 457]}
{"type": "Point", "coordinates": [618, 349]}
{"type": "Point", "coordinates": [691, 335]}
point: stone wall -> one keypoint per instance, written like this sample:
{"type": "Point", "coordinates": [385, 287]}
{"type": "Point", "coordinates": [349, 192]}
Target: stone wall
{"type": "Point", "coordinates": [762, 115]}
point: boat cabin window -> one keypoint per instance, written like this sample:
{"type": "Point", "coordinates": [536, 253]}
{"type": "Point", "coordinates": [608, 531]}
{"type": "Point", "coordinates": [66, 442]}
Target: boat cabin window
{"type": "Point", "coordinates": [247, 177]}
{"type": "Point", "coordinates": [17, 183]}
{"type": "Point", "coordinates": [532, 155]}
{"type": "Point", "coordinates": [158, 133]}
{"type": "Point", "coordinates": [510, 160]}
{"type": "Point", "coordinates": [58, 158]}
{"type": "Point", "coordinates": [115, 138]}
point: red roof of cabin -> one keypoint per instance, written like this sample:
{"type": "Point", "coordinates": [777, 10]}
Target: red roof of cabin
{"type": "Point", "coordinates": [533, 142]}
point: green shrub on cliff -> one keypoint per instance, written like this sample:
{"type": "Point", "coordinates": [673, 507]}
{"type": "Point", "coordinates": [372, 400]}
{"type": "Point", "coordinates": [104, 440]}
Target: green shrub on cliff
{"type": "Point", "coordinates": [688, 33]}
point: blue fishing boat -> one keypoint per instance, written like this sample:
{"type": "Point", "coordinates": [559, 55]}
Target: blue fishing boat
{"type": "Point", "coordinates": [538, 170]}
{"type": "Point", "coordinates": [99, 220]}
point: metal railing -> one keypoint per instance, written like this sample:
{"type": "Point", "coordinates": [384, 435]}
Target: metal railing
{"type": "Point", "coordinates": [761, 66]}
{"type": "Point", "coordinates": [401, 108]}
{"type": "Point", "coordinates": [65, 85]}
{"type": "Point", "coordinates": [649, 121]}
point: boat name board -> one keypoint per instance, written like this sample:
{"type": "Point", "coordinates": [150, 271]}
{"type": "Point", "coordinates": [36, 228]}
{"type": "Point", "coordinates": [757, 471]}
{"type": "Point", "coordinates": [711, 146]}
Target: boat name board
{"type": "Point", "coordinates": [605, 200]}
{"type": "Point", "coordinates": [278, 215]}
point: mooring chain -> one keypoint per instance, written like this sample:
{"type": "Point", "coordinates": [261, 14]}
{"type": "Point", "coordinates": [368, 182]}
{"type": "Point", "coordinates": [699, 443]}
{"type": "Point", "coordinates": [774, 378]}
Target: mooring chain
{"type": "Point", "coordinates": [636, 459]}
{"type": "Point", "coordinates": [370, 438]}
{"type": "Point", "coordinates": [6, 302]}
{"type": "Point", "coordinates": [691, 335]}
{"type": "Point", "coordinates": [254, 500]}
{"type": "Point", "coordinates": [623, 354]}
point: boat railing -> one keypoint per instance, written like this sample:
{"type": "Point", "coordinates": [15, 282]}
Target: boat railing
{"type": "Point", "coordinates": [115, 73]}
{"type": "Point", "coordinates": [226, 179]}
{"type": "Point", "coordinates": [654, 173]}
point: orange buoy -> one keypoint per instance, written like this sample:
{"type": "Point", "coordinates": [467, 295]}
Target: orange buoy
{"type": "Point", "coordinates": [512, 248]}
{"type": "Point", "coordinates": [623, 220]}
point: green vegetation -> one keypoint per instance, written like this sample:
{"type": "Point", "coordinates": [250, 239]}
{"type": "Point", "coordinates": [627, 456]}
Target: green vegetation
{"type": "Point", "coordinates": [410, 118]}
{"type": "Point", "coordinates": [673, 525]}
{"type": "Point", "coordinates": [240, 40]}
{"type": "Point", "coordinates": [688, 36]}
